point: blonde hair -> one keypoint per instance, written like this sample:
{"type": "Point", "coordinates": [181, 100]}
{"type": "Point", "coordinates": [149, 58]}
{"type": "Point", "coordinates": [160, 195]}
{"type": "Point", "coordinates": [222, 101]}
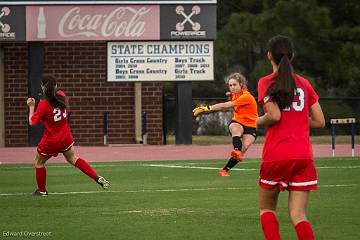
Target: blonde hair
{"type": "Point", "coordinates": [238, 77]}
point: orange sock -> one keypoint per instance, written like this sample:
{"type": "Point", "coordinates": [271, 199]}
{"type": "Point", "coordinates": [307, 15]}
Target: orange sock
{"type": "Point", "coordinates": [270, 226]}
{"type": "Point", "coordinates": [304, 231]}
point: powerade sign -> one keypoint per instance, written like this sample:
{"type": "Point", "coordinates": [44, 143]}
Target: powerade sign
{"type": "Point", "coordinates": [187, 21]}
{"type": "Point", "coordinates": [12, 23]}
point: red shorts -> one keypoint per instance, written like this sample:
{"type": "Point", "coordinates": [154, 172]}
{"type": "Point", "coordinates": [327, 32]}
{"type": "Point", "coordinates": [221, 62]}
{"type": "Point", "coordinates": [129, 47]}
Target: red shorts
{"type": "Point", "coordinates": [293, 175]}
{"type": "Point", "coordinates": [51, 147]}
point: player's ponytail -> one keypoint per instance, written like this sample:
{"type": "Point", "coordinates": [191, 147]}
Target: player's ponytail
{"type": "Point", "coordinates": [282, 90]}
{"type": "Point", "coordinates": [51, 95]}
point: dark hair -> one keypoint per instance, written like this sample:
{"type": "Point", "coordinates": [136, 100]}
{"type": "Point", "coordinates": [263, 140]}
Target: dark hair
{"type": "Point", "coordinates": [282, 90]}
{"type": "Point", "coordinates": [51, 95]}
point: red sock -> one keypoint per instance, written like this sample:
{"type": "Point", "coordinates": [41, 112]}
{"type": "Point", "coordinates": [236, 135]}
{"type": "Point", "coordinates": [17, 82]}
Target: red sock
{"type": "Point", "coordinates": [85, 168]}
{"type": "Point", "coordinates": [41, 178]}
{"type": "Point", "coordinates": [304, 231]}
{"type": "Point", "coordinates": [270, 226]}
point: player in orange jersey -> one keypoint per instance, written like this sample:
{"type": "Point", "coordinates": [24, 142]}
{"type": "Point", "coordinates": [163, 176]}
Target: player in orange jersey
{"type": "Point", "coordinates": [243, 124]}
{"type": "Point", "coordinates": [57, 137]}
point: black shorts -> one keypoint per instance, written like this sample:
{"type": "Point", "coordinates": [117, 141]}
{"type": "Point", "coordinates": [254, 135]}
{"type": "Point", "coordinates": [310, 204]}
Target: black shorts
{"type": "Point", "coordinates": [247, 130]}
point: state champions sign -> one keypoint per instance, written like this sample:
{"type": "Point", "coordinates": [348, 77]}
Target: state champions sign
{"type": "Point", "coordinates": [160, 61]}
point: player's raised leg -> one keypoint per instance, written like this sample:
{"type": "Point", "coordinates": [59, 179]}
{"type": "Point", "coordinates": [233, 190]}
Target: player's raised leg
{"type": "Point", "coordinates": [247, 140]}
{"type": "Point", "coordinates": [81, 164]}
{"type": "Point", "coordinates": [236, 131]}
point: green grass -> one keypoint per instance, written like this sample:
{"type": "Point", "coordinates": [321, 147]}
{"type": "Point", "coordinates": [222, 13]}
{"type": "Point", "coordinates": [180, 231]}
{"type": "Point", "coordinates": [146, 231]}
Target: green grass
{"type": "Point", "coordinates": [209, 140]}
{"type": "Point", "coordinates": [157, 202]}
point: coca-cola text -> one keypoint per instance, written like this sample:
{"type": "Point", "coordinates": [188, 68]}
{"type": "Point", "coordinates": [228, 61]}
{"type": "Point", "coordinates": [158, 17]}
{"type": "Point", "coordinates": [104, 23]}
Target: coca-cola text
{"type": "Point", "coordinates": [114, 24]}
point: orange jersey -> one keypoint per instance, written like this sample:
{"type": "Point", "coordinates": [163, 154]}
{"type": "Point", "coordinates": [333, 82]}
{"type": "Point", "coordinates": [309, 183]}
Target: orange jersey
{"type": "Point", "coordinates": [245, 108]}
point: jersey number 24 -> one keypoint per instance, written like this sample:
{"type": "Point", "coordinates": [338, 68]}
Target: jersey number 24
{"type": "Point", "coordinates": [57, 114]}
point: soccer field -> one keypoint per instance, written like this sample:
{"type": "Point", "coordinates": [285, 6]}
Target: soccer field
{"type": "Point", "coordinates": [169, 200]}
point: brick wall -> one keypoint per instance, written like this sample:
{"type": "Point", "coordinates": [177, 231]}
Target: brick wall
{"type": "Point", "coordinates": [15, 94]}
{"type": "Point", "coordinates": [81, 68]}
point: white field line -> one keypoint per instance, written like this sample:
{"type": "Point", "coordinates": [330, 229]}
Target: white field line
{"type": "Point", "coordinates": [62, 166]}
{"type": "Point", "coordinates": [339, 167]}
{"type": "Point", "coordinates": [166, 190]}
{"type": "Point", "coordinates": [190, 163]}
{"type": "Point", "coordinates": [195, 167]}
{"type": "Point", "coordinates": [135, 191]}
{"type": "Point", "coordinates": [189, 166]}
{"type": "Point", "coordinates": [235, 169]}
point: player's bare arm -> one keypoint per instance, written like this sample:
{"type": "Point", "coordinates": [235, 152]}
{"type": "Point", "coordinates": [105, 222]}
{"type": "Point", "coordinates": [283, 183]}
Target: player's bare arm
{"type": "Point", "coordinates": [31, 104]}
{"type": "Point", "coordinates": [317, 119]}
{"type": "Point", "coordinates": [271, 116]}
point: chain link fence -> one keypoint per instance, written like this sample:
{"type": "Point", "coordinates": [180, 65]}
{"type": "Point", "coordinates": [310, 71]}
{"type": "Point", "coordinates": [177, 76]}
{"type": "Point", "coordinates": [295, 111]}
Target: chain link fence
{"type": "Point", "coordinates": [216, 123]}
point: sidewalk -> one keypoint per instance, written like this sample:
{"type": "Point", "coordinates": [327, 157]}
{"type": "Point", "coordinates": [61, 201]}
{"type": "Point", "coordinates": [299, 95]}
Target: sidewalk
{"type": "Point", "coordinates": [156, 153]}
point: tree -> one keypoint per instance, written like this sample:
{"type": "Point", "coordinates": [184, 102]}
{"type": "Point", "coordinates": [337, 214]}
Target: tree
{"type": "Point", "coordinates": [242, 42]}
{"type": "Point", "coordinates": [343, 73]}
{"type": "Point", "coordinates": [326, 36]}
{"type": "Point", "coordinates": [226, 8]}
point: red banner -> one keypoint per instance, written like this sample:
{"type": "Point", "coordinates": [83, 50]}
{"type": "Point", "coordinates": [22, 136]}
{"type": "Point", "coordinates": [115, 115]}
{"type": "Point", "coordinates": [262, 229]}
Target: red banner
{"type": "Point", "coordinates": [105, 22]}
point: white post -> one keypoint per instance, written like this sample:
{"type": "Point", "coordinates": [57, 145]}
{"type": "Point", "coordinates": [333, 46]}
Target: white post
{"type": "Point", "coordinates": [138, 111]}
{"type": "Point", "coordinates": [105, 140]}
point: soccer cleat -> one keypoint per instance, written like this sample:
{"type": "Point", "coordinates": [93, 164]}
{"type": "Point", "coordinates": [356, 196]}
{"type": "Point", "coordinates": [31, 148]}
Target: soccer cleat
{"type": "Point", "coordinates": [102, 182]}
{"type": "Point", "coordinates": [223, 173]}
{"type": "Point", "coordinates": [236, 154]}
{"type": "Point", "coordinates": [38, 193]}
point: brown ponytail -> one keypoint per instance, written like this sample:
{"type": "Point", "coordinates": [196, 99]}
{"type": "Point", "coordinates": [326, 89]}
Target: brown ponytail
{"type": "Point", "coordinates": [282, 90]}
{"type": "Point", "coordinates": [56, 100]}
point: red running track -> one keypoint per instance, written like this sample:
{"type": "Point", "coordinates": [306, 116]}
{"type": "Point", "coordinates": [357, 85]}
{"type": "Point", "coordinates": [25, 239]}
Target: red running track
{"type": "Point", "coordinates": [155, 153]}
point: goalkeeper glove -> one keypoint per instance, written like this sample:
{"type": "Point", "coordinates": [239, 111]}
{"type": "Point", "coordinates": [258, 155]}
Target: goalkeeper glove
{"type": "Point", "coordinates": [201, 109]}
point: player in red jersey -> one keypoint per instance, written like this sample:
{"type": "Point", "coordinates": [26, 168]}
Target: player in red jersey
{"type": "Point", "coordinates": [287, 160]}
{"type": "Point", "coordinates": [243, 124]}
{"type": "Point", "coordinates": [57, 137]}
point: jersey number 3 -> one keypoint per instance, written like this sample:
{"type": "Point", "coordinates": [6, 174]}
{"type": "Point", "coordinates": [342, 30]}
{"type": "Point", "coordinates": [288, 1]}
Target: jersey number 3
{"type": "Point", "coordinates": [57, 114]}
{"type": "Point", "coordinates": [298, 106]}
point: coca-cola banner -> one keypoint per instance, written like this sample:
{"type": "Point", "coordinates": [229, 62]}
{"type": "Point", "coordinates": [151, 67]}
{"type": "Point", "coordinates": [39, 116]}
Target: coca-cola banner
{"type": "Point", "coordinates": [12, 23]}
{"type": "Point", "coordinates": [104, 22]}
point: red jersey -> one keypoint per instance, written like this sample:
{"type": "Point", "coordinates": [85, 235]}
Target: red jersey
{"type": "Point", "coordinates": [289, 138]}
{"type": "Point", "coordinates": [57, 135]}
